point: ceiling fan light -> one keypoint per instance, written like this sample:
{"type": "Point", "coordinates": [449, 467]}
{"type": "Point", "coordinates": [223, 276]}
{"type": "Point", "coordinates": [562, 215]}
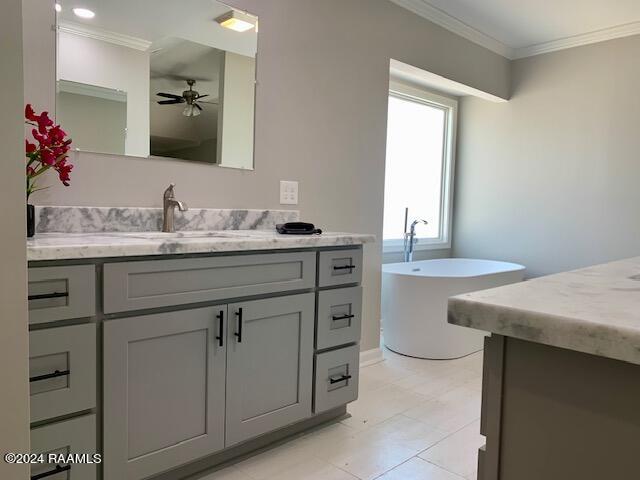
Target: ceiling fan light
{"type": "Point", "coordinates": [191, 111]}
{"type": "Point", "coordinates": [237, 21]}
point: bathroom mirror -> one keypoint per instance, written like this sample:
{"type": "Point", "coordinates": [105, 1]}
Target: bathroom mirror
{"type": "Point", "coordinates": [158, 78]}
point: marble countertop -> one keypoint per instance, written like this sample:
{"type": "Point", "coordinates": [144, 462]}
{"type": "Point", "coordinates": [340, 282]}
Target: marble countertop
{"type": "Point", "coordinates": [593, 310]}
{"type": "Point", "coordinates": [64, 246]}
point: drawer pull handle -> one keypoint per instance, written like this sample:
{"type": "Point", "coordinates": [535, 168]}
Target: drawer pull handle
{"type": "Point", "coordinates": [220, 337]}
{"type": "Point", "coordinates": [48, 295]}
{"type": "Point", "coordinates": [345, 267]}
{"type": "Point", "coordinates": [239, 332]}
{"type": "Point", "coordinates": [55, 471]}
{"type": "Point", "coordinates": [47, 376]}
{"type": "Point", "coordinates": [339, 379]}
{"type": "Point", "coordinates": [341, 317]}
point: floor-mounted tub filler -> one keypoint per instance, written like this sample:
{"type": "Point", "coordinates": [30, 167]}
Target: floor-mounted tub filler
{"type": "Point", "coordinates": [414, 303]}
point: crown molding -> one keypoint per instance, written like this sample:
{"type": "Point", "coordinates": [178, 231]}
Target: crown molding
{"type": "Point", "coordinates": [439, 17]}
{"type": "Point", "coordinates": [424, 9]}
{"type": "Point", "coordinates": [598, 36]}
{"type": "Point", "coordinates": [104, 35]}
{"type": "Point", "coordinates": [92, 91]}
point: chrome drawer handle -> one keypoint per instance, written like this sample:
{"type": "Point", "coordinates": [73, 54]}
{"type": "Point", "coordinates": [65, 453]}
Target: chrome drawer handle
{"type": "Point", "coordinates": [48, 295]}
{"type": "Point", "coordinates": [341, 317]}
{"type": "Point", "coordinates": [345, 267]}
{"type": "Point", "coordinates": [47, 376]}
{"type": "Point", "coordinates": [55, 471]}
{"type": "Point", "coordinates": [339, 379]}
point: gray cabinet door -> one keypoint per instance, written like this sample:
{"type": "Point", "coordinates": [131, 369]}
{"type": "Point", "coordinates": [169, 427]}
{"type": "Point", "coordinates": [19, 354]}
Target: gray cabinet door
{"type": "Point", "coordinates": [269, 365]}
{"type": "Point", "coordinates": [164, 390]}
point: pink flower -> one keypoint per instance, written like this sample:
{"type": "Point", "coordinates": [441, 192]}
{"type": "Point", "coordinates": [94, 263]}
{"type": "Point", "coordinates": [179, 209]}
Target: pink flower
{"type": "Point", "coordinates": [57, 134]}
{"type": "Point", "coordinates": [29, 114]}
{"type": "Point", "coordinates": [49, 151]}
{"type": "Point", "coordinates": [48, 158]}
{"type": "Point", "coordinates": [29, 147]}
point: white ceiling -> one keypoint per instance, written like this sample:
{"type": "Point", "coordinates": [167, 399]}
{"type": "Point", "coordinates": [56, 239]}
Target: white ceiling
{"type": "Point", "coordinates": [520, 28]}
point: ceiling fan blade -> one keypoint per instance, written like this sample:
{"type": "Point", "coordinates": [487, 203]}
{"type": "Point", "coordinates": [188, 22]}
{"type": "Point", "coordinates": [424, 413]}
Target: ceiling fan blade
{"type": "Point", "coordinates": [169, 95]}
{"type": "Point", "coordinates": [199, 107]}
{"type": "Point", "coordinates": [202, 96]}
{"type": "Point", "coordinates": [208, 103]}
{"type": "Point", "coordinates": [170, 102]}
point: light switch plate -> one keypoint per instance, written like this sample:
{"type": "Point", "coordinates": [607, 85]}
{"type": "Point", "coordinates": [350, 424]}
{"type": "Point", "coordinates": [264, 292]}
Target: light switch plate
{"type": "Point", "coordinates": [288, 192]}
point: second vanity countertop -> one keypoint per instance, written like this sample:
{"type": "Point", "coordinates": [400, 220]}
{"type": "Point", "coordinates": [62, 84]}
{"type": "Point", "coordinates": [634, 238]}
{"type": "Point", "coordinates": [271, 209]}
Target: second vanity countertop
{"type": "Point", "coordinates": [64, 246]}
{"type": "Point", "coordinates": [593, 310]}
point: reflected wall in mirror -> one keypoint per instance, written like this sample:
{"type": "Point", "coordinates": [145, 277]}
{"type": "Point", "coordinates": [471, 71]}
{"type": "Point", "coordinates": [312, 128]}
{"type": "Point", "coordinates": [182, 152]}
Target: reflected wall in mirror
{"type": "Point", "coordinates": [158, 78]}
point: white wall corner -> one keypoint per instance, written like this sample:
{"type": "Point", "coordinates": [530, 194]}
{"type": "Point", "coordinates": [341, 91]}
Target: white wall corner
{"type": "Point", "coordinates": [371, 357]}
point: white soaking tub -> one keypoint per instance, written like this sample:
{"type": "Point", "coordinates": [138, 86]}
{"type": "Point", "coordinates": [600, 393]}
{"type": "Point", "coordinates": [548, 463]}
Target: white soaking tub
{"type": "Point", "coordinates": [414, 303]}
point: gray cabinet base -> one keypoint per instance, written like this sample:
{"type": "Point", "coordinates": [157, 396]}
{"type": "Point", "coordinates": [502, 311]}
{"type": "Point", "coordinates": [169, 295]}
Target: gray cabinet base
{"type": "Point", "coordinates": [263, 442]}
{"type": "Point", "coordinates": [562, 414]}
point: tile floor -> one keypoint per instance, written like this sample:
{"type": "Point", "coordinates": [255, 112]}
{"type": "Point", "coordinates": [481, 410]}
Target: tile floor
{"type": "Point", "coordinates": [414, 420]}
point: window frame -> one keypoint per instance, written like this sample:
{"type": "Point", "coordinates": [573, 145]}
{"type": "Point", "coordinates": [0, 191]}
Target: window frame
{"type": "Point", "coordinates": [450, 106]}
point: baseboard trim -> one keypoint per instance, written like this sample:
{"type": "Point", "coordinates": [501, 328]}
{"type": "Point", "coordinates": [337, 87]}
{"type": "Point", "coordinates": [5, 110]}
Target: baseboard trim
{"type": "Point", "coordinates": [371, 357]}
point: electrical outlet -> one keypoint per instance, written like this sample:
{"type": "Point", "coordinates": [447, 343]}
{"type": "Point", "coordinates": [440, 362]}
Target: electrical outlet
{"type": "Point", "coordinates": [288, 192]}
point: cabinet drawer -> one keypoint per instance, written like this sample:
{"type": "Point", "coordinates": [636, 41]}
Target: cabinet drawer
{"type": "Point", "coordinates": [339, 317]}
{"type": "Point", "coordinates": [62, 371]}
{"type": "Point", "coordinates": [78, 436]}
{"type": "Point", "coordinates": [340, 267]}
{"type": "Point", "coordinates": [60, 293]}
{"type": "Point", "coordinates": [160, 283]}
{"type": "Point", "coordinates": [336, 381]}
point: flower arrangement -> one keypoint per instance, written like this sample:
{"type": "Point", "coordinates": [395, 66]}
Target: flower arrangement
{"type": "Point", "coordinates": [49, 150]}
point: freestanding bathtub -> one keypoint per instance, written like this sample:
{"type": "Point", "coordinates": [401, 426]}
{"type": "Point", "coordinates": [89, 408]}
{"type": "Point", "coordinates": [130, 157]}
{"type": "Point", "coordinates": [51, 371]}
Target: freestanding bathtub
{"type": "Point", "coordinates": [414, 303]}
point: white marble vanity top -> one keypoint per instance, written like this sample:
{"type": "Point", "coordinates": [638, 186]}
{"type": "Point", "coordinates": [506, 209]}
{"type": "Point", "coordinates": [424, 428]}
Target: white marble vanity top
{"type": "Point", "coordinates": [594, 310]}
{"type": "Point", "coordinates": [61, 246]}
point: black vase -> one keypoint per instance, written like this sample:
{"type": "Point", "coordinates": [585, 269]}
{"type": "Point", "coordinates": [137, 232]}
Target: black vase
{"type": "Point", "coordinates": [31, 220]}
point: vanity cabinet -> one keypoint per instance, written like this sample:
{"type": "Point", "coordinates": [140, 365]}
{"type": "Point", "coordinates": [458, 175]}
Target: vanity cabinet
{"type": "Point", "coordinates": [164, 390]}
{"type": "Point", "coordinates": [190, 358]}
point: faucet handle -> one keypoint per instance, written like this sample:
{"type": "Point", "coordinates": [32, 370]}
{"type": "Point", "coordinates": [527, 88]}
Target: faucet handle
{"type": "Point", "coordinates": [168, 193]}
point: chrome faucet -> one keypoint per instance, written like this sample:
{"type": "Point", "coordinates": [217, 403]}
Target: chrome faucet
{"type": "Point", "coordinates": [169, 204]}
{"type": "Point", "coordinates": [410, 237]}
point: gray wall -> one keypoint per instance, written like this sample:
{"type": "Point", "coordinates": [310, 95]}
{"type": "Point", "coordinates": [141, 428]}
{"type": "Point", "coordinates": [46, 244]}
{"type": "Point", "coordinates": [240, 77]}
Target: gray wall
{"type": "Point", "coordinates": [14, 394]}
{"type": "Point", "coordinates": [323, 69]}
{"type": "Point", "coordinates": [551, 178]}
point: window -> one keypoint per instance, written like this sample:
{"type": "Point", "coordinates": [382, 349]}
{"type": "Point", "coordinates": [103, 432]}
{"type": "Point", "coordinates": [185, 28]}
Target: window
{"type": "Point", "coordinates": [421, 128]}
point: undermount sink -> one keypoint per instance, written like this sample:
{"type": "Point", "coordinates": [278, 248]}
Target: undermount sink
{"type": "Point", "coordinates": [184, 234]}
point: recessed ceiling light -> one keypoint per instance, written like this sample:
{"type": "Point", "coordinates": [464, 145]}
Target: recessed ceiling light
{"type": "Point", "coordinates": [238, 21]}
{"type": "Point", "coordinates": [58, 7]}
{"type": "Point", "coordinates": [83, 13]}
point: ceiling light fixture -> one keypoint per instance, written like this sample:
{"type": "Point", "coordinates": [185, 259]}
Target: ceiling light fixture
{"type": "Point", "coordinates": [58, 7]}
{"type": "Point", "coordinates": [191, 111]}
{"type": "Point", "coordinates": [83, 13]}
{"type": "Point", "coordinates": [237, 21]}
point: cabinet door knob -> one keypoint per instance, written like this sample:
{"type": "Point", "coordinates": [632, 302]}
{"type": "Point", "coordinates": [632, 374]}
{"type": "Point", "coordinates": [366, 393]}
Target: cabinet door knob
{"type": "Point", "coordinates": [220, 337]}
{"type": "Point", "coordinates": [239, 332]}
